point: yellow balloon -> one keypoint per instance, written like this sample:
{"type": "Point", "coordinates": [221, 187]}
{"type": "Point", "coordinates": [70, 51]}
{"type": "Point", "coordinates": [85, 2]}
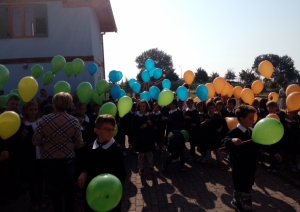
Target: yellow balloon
{"type": "Point", "coordinates": [219, 84]}
{"type": "Point", "coordinates": [273, 96]}
{"type": "Point", "coordinates": [273, 115]}
{"type": "Point", "coordinates": [188, 77]}
{"type": "Point", "coordinates": [28, 87]}
{"type": "Point", "coordinates": [292, 101]}
{"type": "Point", "coordinates": [10, 123]}
{"type": "Point", "coordinates": [257, 86]}
{"type": "Point", "coordinates": [237, 90]}
{"type": "Point", "coordinates": [211, 90]}
{"type": "Point", "coordinates": [266, 69]}
{"type": "Point", "coordinates": [232, 122]}
{"type": "Point", "coordinates": [230, 92]}
{"type": "Point", "coordinates": [226, 89]}
{"type": "Point", "coordinates": [292, 88]}
{"type": "Point", "coordinates": [247, 96]}
{"type": "Point", "coordinates": [197, 99]}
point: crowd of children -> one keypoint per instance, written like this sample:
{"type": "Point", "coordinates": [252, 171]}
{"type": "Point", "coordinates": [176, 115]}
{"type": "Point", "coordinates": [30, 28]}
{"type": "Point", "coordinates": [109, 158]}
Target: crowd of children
{"type": "Point", "coordinates": [151, 130]}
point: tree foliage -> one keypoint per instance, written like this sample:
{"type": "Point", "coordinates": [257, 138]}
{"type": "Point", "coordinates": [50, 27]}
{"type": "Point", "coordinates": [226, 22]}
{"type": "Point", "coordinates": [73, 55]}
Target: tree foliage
{"type": "Point", "coordinates": [230, 75]}
{"type": "Point", "coordinates": [248, 76]}
{"type": "Point", "coordinates": [201, 75]}
{"type": "Point", "coordinates": [284, 69]}
{"type": "Point", "coordinates": [161, 59]}
{"type": "Point", "coordinates": [213, 76]}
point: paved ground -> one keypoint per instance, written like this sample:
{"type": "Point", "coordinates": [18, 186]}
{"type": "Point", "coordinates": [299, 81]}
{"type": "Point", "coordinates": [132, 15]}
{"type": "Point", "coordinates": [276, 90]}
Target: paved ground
{"type": "Point", "coordinates": [195, 190]}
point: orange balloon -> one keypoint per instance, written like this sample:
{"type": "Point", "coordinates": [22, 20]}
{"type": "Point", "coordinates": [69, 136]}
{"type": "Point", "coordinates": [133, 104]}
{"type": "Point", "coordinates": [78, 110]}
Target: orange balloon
{"type": "Point", "coordinates": [257, 86]}
{"type": "Point", "coordinates": [232, 122]}
{"type": "Point", "coordinates": [226, 89]}
{"type": "Point", "coordinates": [247, 96]}
{"type": "Point", "coordinates": [255, 117]}
{"type": "Point", "coordinates": [230, 92]}
{"type": "Point", "coordinates": [189, 77]}
{"type": "Point", "coordinates": [266, 69]}
{"type": "Point", "coordinates": [219, 84]}
{"type": "Point", "coordinates": [292, 101]}
{"type": "Point", "coordinates": [257, 98]}
{"type": "Point", "coordinates": [273, 115]}
{"type": "Point", "coordinates": [237, 92]}
{"type": "Point", "coordinates": [273, 96]}
{"type": "Point", "coordinates": [211, 90]}
{"type": "Point", "coordinates": [292, 88]}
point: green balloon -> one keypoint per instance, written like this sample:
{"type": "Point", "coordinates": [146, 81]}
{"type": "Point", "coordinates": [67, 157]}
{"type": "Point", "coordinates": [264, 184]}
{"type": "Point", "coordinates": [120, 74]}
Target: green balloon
{"type": "Point", "coordinates": [102, 86]}
{"type": "Point", "coordinates": [104, 192]}
{"type": "Point", "coordinates": [78, 66]}
{"type": "Point", "coordinates": [48, 77]}
{"type": "Point", "coordinates": [97, 98]}
{"type": "Point", "coordinates": [14, 94]}
{"type": "Point", "coordinates": [84, 92]}
{"type": "Point", "coordinates": [267, 131]}
{"type": "Point", "coordinates": [186, 135]}
{"type": "Point", "coordinates": [108, 108]}
{"type": "Point", "coordinates": [62, 86]}
{"type": "Point", "coordinates": [124, 105]}
{"type": "Point", "coordinates": [57, 63]}
{"type": "Point", "coordinates": [116, 130]}
{"type": "Point", "coordinates": [4, 75]}
{"type": "Point", "coordinates": [3, 100]}
{"type": "Point", "coordinates": [165, 97]}
{"type": "Point", "coordinates": [36, 70]}
{"type": "Point", "coordinates": [68, 68]}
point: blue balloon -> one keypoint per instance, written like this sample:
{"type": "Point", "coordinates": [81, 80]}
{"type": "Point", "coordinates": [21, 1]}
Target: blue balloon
{"type": "Point", "coordinates": [182, 93]}
{"type": "Point", "coordinates": [202, 92]}
{"type": "Point", "coordinates": [145, 96]}
{"type": "Point", "coordinates": [157, 73]}
{"type": "Point", "coordinates": [121, 94]}
{"type": "Point", "coordinates": [115, 91]}
{"type": "Point", "coordinates": [113, 76]}
{"type": "Point", "coordinates": [149, 64]}
{"type": "Point", "coordinates": [131, 81]}
{"type": "Point", "coordinates": [145, 76]}
{"type": "Point", "coordinates": [92, 68]}
{"type": "Point", "coordinates": [120, 75]}
{"type": "Point", "coordinates": [166, 84]}
{"type": "Point", "coordinates": [151, 72]}
{"type": "Point", "coordinates": [154, 92]}
{"type": "Point", "coordinates": [136, 87]}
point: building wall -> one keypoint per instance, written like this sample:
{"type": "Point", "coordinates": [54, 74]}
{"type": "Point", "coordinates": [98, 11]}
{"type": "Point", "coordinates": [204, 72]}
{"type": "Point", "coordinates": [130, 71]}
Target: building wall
{"type": "Point", "coordinates": [71, 32]}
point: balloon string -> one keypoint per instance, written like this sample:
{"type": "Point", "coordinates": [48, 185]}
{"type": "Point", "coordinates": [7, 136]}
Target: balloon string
{"type": "Point", "coordinates": [234, 145]}
{"type": "Point", "coordinates": [152, 112]}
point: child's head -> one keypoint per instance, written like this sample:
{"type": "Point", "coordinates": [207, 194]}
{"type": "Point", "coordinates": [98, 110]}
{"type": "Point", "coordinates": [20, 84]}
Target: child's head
{"type": "Point", "coordinates": [81, 108]}
{"type": "Point", "coordinates": [190, 102]}
{"type": "Point", "coordinates": [219, 105]}
{"type": "Point", "coordinates": [105, 127]}
{"type": "Point", "coordinates": [245, 115]}
{"type": "Point", "coordinates": [43, 93]}
{"type": "Point", "coordinates": [263, 103]}
{"type": "Point", "coordinates": [133, 108]}
{"type": "Point", "coordinates": [255, 104]}
{"type": "Point", "coordinates": [291, 115]}
{"type": "Point", "coordinates": [176, 125]}
{"type": "Point", "coordinates": [211, 107]}
{"type": "Point", "coordinates": [143, 106]}
{"type": "Point", "coordinates": [79, 117]}
{"type": "Point", "coordinates": [199, 106]}
{"type": "Point", "coordinates": [272, 106]}
{"type": "Point", "coordinates": [96, 108]}
{"type": "Point", "coordinates": [13, 104]}
{"type": "Point", "coordinates": [231, 103]}
{"type": "Point", "coordinates": [173, 104]}
{"type": "Point", "coordinates": [31, 110]}
{"type": "Point", "coordinates": [47, 109]}
{"type": "Point", "coordinates": [284, 85]}
{"type": "Point", "coordinates": [180, 104]}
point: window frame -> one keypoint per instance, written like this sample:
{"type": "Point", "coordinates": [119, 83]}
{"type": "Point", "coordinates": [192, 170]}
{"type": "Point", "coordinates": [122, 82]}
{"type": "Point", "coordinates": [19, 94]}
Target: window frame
{"type": "Point", "coordinates": [22, 13]}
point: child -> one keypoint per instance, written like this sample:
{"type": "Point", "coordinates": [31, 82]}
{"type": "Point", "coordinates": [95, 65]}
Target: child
{"type": "Point", "coordinates": [243, 157]}
{"type": "Point", "coordinates": [212, 127]}
{"type": "Point", "coordinates": [143, 130]}
{"type": "Point", "coordinates": [159, 127]}
{"type": "Point", "coordinates": [272, 107]}
{"type": "Point", "coordinates": [174, 116]}
{"type": "Point", "coordinates": [261, 113]}
{"type": "Point", "coordinates": [103, 156]}
{"type": "Point", "coordinates": [125, 122]}
{"type": "Point", "coordinates": [219, 107]}
{"type": "Point", "coordinates": [176, 147]}
{"type": "Point", "coordinates": [229, 112]}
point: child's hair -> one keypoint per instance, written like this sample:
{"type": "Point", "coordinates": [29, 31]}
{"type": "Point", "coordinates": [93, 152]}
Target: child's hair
{"type": "Point", "coordinates": [210, 104]}
{"type": "Point", "coordinates": [255, 101]}
{"type": "Point", "coordinates": [103, 119]}
{"type": "Point", "coordinates": [145, 102]}
{"type": "Point", "coordinates": [13, 97]}
{"type": "Point", "coordinates": [176, 125]}
{"type": "Point", "coordinates": [232, 101]}
{"type": "Point", "coordinates": [217, 99]}
{"type": "Point", "coordinates": [174, 102]}
{"type": "Point", "coordinates": [219, 103]}
{"type": "Point", "coordinates": [47, 109]}
{"type": "Point", "coordinates": [190, 99]}
{"type": "Point", "coordinates": [272, 104]}
{"type": "Point", "coordinates": [243, 111]}
{"type": "Point", "coordinates": [263, 103]}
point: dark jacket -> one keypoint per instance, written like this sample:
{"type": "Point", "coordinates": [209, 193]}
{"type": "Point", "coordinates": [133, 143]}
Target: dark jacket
{"type": "Point", "coordinates": [176, 142]}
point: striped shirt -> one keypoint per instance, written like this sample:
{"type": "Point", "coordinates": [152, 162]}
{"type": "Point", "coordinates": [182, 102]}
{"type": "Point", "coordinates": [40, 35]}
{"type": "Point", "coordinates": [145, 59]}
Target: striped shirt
{"type": "Point", "coordinates": [58, 135]}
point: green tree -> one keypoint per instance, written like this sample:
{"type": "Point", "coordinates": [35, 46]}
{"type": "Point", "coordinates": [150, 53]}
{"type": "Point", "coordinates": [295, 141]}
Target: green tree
{"type": "Point", "coordinates": [201, 75]}
{"type": "Point", "coordinates": [161, 59]}
{"type": "Point", "coordinates": [213, 76]}
{"type": "Point", "coordinates": [284, 69]}
{"type": "Point", "coordinates": [248, 76]}
{"type": "Point", "coordinates": [230, 75]}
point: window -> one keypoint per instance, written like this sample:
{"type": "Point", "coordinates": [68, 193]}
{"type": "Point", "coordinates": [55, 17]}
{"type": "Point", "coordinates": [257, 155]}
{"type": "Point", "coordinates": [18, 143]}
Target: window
{"type": "Point", "coordinates": [23, 21]}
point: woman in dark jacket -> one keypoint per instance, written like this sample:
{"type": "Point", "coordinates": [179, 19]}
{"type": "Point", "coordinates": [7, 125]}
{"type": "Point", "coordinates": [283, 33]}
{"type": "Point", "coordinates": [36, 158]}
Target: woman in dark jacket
{"type": "Point", "coordinates": [143, 130]}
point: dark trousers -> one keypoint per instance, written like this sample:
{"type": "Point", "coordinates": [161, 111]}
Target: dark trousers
{"type": "Point", "coordinates": [60, 174]}
{"type": "Point", "coordinates": [35, 180]}
{"type": "Point", "coordinates": [174, 156]}
{"type": "Point", "coordinates": [116, 209]}
{"type": "Point", "coordinates": [10, 185]}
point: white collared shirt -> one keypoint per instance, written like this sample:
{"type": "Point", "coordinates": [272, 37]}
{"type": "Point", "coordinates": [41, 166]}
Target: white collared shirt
{"type": "Point", "coordinates": [172, 111]}
{"type": "Point", "coordinates": [190, 109]}
{"type": "Point", "coordinates": [157, 113]}
{"type": "Point", "coordinates": [230, 111]}
{"type": "Point", "coordinates": [86, 118]}
{"type": "Point", "coordinates": [243, 129]}
{"type": "Point", "coordinates": [106, 146]}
